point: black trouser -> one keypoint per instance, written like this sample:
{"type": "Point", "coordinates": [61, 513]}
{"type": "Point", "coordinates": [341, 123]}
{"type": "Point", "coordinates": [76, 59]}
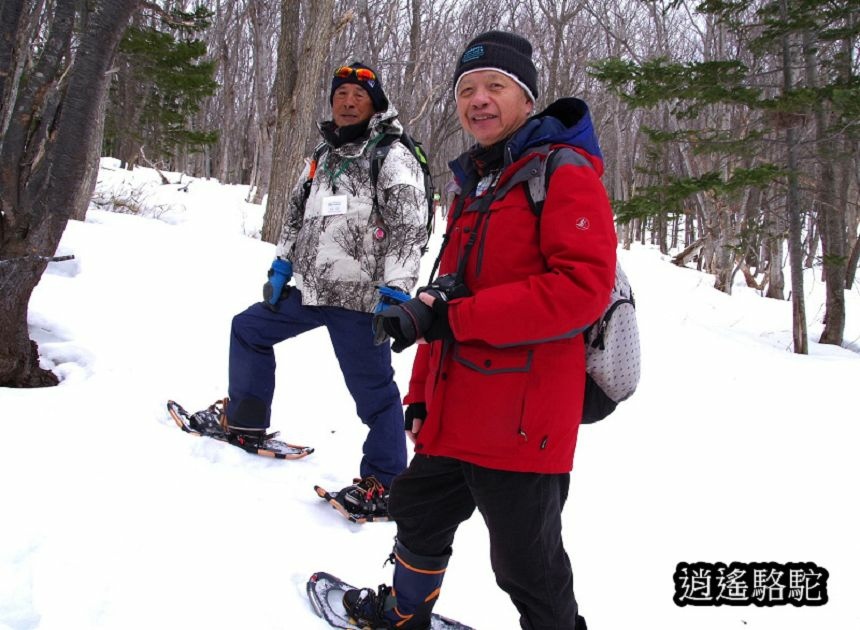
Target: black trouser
{"type": "Point", "coordinates": [523, 514]}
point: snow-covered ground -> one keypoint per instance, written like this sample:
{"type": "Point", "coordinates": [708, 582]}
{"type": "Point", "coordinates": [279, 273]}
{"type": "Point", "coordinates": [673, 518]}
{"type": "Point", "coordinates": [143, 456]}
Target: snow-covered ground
{"type": "Point", "coordinates": [733, 449]}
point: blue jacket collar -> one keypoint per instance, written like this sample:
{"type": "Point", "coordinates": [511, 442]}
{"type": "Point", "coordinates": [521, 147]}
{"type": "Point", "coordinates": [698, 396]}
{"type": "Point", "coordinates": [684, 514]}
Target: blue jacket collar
{"type": "Point", "coordinates": [566, 121]}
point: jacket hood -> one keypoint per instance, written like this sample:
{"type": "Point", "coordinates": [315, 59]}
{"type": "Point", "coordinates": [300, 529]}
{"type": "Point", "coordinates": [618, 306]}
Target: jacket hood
{"type": "Point", "coordinates": [567, 121]}
{"type": "Point", "coordinates": [384, 122]}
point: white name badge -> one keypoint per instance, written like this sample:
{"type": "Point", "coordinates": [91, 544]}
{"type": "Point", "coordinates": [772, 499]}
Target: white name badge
{"type": "Point", "coordinates": [334, 205]}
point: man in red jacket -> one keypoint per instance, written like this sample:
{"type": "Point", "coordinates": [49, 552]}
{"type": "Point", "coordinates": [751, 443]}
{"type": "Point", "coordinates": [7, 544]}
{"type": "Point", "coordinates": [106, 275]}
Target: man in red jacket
{"type": "Point", "coordinates": [495, 400]}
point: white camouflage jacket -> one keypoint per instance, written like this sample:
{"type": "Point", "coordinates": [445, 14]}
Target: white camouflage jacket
{"type": "Point", "coordinates": [341, 250]}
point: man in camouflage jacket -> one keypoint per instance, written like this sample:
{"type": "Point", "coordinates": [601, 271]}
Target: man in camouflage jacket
{"type": "Point", "coordinates": [343, 239]}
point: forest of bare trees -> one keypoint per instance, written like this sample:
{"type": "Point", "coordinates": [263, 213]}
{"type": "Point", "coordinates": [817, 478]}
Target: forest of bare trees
{"type": "Point", "coordinates": [689, 169]}
{"type": "Point", "coordinates": [729, 129]}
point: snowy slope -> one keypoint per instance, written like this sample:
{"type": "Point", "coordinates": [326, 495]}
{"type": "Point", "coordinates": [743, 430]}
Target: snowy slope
{"type": "Point", "coordinates": [733, 449]}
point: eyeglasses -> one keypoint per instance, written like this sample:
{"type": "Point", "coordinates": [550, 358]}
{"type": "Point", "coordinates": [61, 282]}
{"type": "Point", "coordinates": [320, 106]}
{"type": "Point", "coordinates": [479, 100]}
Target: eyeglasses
{"type": "Point", "coordinates": [362, 74]}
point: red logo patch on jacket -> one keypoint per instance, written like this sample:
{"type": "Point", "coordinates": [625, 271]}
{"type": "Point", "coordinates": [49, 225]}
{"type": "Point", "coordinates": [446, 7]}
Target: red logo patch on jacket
{"type": "Point", "coordinates": [582, 223]}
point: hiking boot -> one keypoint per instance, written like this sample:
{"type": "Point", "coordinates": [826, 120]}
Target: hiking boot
{"type": "Point", "coordinates": [374, 610]}
{"type": "Point", "coordinates": [244, 436]}
{"type": "Point", "coordinates": [418, 580]}
{"type": "Point", "coordinates": [366, 496]}
{"type": "Point", "coordinates": [213, 419]}
{"type": "Point", "coordinates": [367, 608]}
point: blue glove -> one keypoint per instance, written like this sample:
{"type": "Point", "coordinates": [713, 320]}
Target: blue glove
{"type": "Point", "coordinates": [389, 296]}
{"type": "Point", "coordinates": [279, 275]}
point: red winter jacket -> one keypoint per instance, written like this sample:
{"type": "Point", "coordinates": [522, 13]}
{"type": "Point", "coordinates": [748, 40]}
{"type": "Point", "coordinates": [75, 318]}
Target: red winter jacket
{"type": "Point", "coordinates": [508, 393]}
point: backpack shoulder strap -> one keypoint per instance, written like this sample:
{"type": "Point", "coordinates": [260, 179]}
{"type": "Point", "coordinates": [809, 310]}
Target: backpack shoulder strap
{"type": "Point", "coordinates": [380, 151]}
{"type": "Point", "coordinates": [377, 157]}
{"type": "Point", "coordinates": [319, 151]}
{"type": "Point", "coordinates": [538, 184]}
{"type": "Point", "coordinates": [416, 149]}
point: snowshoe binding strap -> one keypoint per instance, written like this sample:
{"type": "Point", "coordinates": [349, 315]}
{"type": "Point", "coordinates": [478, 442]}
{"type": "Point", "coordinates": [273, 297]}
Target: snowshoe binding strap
{"type": "Point", "coordinates": [211, 418]}
{"type": "Point", "coordinates": [366, 497]}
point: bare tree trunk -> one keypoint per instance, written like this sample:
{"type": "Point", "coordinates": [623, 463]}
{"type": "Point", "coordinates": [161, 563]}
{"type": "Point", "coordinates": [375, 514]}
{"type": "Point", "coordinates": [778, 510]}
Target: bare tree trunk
{"type": "Point", "coordinates": [847, 192]}
{"type": "Point", "coordinates": [263, 112]}
{"type": "Point", "coordinates": [812, 237]}
{"type": "Point", "coordinates": [81, 201]}
{"type": "Point", "coordinates": [853, 261]}
{"type": "Point", "coordinates": [795, 253]}
{"type": "Point", "coordinates": [43, 164]}
{"type": "Point", "coordinates": [832, 215]}
{"type": "Point", "coordinates": [12, 18]}
{"type": "Point", "coordinates": [410, 72]}
{"type": "Point", "coordinates": [296, 102]}
{"type": "Point", "coordinates": [775, 245]}
{"type": "Point", "coordinates": [723, 259]}
{"type": "Point", "coordinates": [558, 15]}
{"type": "Point", "coordinates": [227, 55]}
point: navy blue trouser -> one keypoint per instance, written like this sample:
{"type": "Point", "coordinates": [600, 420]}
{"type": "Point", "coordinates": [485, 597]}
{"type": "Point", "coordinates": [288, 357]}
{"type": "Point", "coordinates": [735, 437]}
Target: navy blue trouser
{"type": "Point", "coordinates": [366, 369]}
{"type": "Point", "coordinates": [523, 515]}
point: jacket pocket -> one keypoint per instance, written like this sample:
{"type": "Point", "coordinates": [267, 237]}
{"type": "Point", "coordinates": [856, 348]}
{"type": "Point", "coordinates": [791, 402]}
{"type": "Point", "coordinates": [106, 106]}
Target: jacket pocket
{"type": "Point", "coordinates": [485, 398]}
{"type": "Point", "coordinates": [494, 360]}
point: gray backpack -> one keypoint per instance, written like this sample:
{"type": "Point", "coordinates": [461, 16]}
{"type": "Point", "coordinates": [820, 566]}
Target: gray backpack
{"type": "Point", "coordinates": [612, 357]}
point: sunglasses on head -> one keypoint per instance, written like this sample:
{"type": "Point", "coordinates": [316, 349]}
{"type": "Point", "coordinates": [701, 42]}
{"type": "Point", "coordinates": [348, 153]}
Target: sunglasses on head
{"type": "Point", "coordinates": [362, 74]}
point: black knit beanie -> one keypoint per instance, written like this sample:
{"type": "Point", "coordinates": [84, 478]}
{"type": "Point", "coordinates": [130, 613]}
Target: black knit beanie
{"type": "Point", "coordinates": [372, 86]}
{"type": "Point", "coordinates": [498, 50]}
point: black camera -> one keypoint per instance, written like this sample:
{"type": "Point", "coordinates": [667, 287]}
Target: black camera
{"type": "Point", "coordinates": [407, 322]}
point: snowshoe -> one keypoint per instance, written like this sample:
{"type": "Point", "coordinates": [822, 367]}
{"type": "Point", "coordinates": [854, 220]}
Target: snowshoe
{"type": "Point", "coordinates": [211, 422]}
{"type": "Point", "coordinates": [364, 501]}
{"type": "Point", "coordinates": [326, 593]}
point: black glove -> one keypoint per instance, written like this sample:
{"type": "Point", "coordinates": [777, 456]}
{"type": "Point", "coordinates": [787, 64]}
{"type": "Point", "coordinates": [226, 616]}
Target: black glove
{"type": "Point", "coordinates": [440, 329]}
{"type": "Point", "coordinates": [415, 411]}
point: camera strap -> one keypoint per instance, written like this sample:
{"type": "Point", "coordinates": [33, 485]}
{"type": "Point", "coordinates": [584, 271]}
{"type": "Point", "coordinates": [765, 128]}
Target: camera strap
{"type": "Point", "coordinates": [485, 201]}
